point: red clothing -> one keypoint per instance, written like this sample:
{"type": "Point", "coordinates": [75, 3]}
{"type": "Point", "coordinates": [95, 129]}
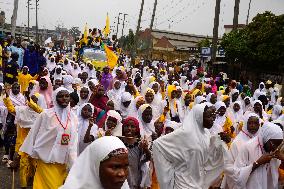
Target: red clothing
{"type": "Point", "coordinates": [99, 102]}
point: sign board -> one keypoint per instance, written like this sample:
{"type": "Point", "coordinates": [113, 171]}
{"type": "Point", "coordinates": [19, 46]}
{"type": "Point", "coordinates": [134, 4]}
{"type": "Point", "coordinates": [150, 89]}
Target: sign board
{"type": "Point", "coordinates": [205, 51]}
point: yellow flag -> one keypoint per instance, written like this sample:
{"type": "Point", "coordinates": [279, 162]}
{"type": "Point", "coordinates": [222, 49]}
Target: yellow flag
{"type": "Point", "coordinates": [111, 57]}
{"type": "Point", "coordinates": [86, 34]}
{"type": "Point", "coordinates": [107, 28]}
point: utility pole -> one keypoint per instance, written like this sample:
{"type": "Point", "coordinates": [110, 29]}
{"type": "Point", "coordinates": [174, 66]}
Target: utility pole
{"type": "Point", "coordinates": [215, 30]}
{"type": "Point", "coordinates": [140, 17]}
{"type": "Point", "coordinates": [37, 39]}
{"type": "Point", "coordinates": [118, 19]}
{"type": "Point", "coordinates": [248, 12]}
{"type": "Point", "coordinates": [236, 14]}
{"type": "Point", "coordinates": [123, 24]}
{"type": "Point", "coordinates": [150, 40]}
{"type": "Point", "coordinates": [29, 20]}
{"type": "Point", "coordinates": [14, 18]}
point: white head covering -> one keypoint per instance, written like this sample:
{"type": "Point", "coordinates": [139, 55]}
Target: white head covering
{"type": "Point", "coordinates": [117, 131]}
{"type": "Point", "coordinates": [82, 101]}
{"type": "Point", "coordinates": [179, 149]}
{"type": "Point", "coordinates": [276, 111]}
{"type": "Point", "coordinates": [67, 82]}
{"type": "Point", "coordinates": [62, 113]}
{"type": "Point", "coordinates": [17, 100]}
{"type": "Point", "coordinates": [85, 171]}
{"type": "Point", "coordinates": [245, 127]}
{"type": "Point", "coordinates": [199, 99]}
{"type": "Point", "coordinates": [145, 128]}
{"type": "Point", "coordinates": [270, 131]}
{"type": "Point", "coordinates": [172, 124]}
{"type": "Point", "coordinates": [83, 126]}
{"type": "Point", "coordinates": [126, 96]}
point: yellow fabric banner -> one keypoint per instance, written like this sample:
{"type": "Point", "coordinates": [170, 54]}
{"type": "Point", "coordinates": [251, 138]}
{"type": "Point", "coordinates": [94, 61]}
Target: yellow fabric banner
{"type": "Point", "coordinates": [107, 28]}
{"type": "Point", "coordinates": [112, 58]}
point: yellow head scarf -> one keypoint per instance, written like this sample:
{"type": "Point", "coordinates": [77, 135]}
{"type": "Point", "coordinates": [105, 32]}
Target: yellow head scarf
{"type": "Point", "coordinates": [172, 88]}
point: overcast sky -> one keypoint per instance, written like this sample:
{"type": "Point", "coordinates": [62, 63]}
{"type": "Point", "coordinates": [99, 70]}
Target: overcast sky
{"type": "Point", "coordinates": [187, 16]}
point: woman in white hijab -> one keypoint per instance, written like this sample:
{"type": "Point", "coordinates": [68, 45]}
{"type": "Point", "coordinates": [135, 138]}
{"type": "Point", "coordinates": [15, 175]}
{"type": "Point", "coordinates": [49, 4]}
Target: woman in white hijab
{"type": "Point", "coordinates": [85, 113]}
{"type": "Point", "coordinates": [115, 94]}
{"type": "Point", "coordinates": [51, 64]}
{"type": "Point", "coordinates": [126, 99]}
{"type": "Point", "coordinates": [258, 160]}
{"type": "Point", "coordinates": [236, 115]}
{"type": "Point", "coordinates": [277, 111]}
{"type": "Point", "coordinates": [84, 95]}
{"type": "Point", "coordinates": [258, 109]}
{"type": "Point", "coordinates": [247, 106]}
{"type": "Point", "coordinates": [76, 70]}
{"type": "Point", "coordinates": [90, 169]}
{"type": "Point", "coordinates": [53, 141]}
{"type": "Point", "coordinates": [67, 82]}
{"type": "Point", "coordinates": [260, 91]}
{"type": "Point", "coordinates": [190, 157]}
{"type": "Point", "coordinates": [249, 131]}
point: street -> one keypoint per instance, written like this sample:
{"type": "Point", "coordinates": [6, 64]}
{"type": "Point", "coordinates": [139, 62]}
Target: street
{"type": "Point", "coordinates": [6, 175]}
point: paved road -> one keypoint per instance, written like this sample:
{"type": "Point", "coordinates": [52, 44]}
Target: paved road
{"type": "Point", "coordinates": [6, 176]}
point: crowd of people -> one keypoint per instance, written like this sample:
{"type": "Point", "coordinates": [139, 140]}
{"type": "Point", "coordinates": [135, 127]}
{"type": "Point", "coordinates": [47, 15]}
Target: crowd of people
{"type": "Point", "coordinates": [157, 124]}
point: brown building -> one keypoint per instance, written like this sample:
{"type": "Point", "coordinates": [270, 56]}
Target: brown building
{"type": "Point", "coordinates": [168, 45]}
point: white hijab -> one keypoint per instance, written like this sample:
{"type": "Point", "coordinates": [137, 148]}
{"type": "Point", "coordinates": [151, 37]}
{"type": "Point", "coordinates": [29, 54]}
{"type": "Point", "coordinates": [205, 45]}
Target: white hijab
{"type": "Point", "coordinates": [266, 176]}
{"type": "Point", "coordinates": [189, 157]}
{"type": "Point", "coordinates": [145, 128]}
{"type": "Point", "coordinates": [62, 113]}
{"type": "Point", "coordinates": [85, 171]}
{"type": "Point", "coordinates": [83, 125]}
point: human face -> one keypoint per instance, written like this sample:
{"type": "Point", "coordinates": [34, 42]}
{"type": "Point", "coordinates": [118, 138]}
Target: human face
{"type": "Point", "coordinates": [110, 105]}
{"type": "Point", "coordinates": [117, 85]}
{"type": "Point", "coordinates": [253, 125]}
{"type": "Point", "coordinates": [126, 104]}
{"type": "Point", "coordinates": [31, 86]}
{"type": "Point", "coordinates": [179, 93]}
{"type": "Point", "coordinates": [84, 76]}
{"type": "Point", "coordinates": [16, 89]}
{"type": "Point", "coordinates": [261, 86]}
{"type": "Point", "coordinates": [199, 86]}
{"type": "Point", "coordinates": [149, 97]}
{"type": "Point", "coordinates": [63, 98]}
{"type": "Point", "coordinates": [86, 111]}
{"type": "Point", "coordinates": [247, 101]}
{"type": "Point", "coordinates": [209, 117]}
{"type": "Point", "coordinates": [58, 70]}
{"type": "Point", "coordinates": [227, 102]}
{"type": "Point", "coordinates": [222, 111]}
{"type": "Point", "coordinates": [257, 107]}
{"type": "Point", "coordinates": [130, 130]}
{"type": "Point", "coordinates": [168, 130]}
{"type": "Point", "coordinates": [119, 73]}
{"type": "Point", "coordinates": [106, 70]}
{"type": "Point", "coordinates": [65, 62]}
{"type": "Point", "coordinates": [114, 171]}
{"type": "Point", "coordinates": [25, 70]}
{"type": "Point", "coordinates": [111, 123]}
{"type": "Point", "coordinates": [101, 91]}
{"type": "Point", "coordinates": [147, 115]}
{"type": "Point", "coordinates": [84, 93]}
{"type": "Point", "coordinates": [235, 97]}
{"type": "Point", "coordinates": [236, 107]}
{"type": "Point", "coordinates": [159, 127]}
{"type": "Point", "coordinates": [187, 99]}
{"type": "Point", "coordinates": [155, 87]}
{"type": "Point", "coordinates": [174, 94]}
{"type": "Point", "coordinates": [213, 99]}
{"type": "Point", "coordinates": [58, 82]}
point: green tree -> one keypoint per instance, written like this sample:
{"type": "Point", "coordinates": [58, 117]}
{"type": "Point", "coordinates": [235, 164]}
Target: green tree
{"type": "Point", "coordinates": [260, 45]}
{"type": "Point", "coordinates": [204, 43]}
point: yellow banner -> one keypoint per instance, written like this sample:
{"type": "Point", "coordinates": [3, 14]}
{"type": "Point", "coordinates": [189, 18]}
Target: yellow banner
{"type": "Point", "coordinates": [112, 58]}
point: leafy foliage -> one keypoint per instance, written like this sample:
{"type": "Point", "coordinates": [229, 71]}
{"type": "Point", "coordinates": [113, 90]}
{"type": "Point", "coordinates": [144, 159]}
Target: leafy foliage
{"type": "Point", "coordinates": [261, 43]}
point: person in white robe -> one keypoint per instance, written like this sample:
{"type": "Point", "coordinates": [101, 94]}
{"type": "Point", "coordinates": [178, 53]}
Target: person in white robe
{"type": "Point", "coordinates": [87, 171]}
{"type": "Point", "coordinates": [190, 157]}
{"type": "Point", "coordinates": [259, 159]}
{"type": "Point", "coordinates": [249, 131]}
{"type": "Point", "coordinates": [53, 141]}
{"type": "Point", "coordinates": [260, 91]}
